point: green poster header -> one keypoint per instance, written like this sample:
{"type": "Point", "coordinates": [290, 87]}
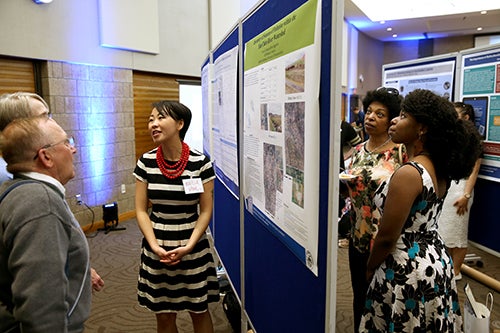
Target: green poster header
{"type": "Point", "coordinates": [295, 31]}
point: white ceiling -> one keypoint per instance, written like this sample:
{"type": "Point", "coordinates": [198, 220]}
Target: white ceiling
{"type": "Point", "coordinates": [426, 27]}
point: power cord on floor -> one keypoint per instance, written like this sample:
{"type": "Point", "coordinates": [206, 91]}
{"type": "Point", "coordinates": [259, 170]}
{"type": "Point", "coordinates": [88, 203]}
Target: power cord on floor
{"type": "Point", "coordinates": [80, 202]}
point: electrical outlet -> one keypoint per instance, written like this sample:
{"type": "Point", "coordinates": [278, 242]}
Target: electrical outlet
{"type": "Point", "coordinates": [123, 189]}
{"type": "Point", "coordinates": [78, 198]}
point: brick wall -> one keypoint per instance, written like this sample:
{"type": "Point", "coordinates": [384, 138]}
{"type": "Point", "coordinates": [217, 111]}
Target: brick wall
{"type": "Point", "coordinates": [95, 105]}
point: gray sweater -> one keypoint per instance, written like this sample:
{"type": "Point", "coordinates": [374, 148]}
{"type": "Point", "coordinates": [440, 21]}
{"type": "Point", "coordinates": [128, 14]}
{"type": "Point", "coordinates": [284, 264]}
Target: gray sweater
{"type": "Point", "coordinates": [44, 262]}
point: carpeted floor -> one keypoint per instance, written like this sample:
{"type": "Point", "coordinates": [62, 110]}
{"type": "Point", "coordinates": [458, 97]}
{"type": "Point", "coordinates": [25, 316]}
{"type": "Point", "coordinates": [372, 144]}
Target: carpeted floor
{"type": "Point", "coordinates": [115, 309]}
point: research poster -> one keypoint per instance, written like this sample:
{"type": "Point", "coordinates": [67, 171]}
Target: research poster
{"type": "Point", "coordinates": [436, 75]}
{"type": "Point", "coordinates": [207, 112]}
{"type": "Point", "coordinates": [480, 87]}
{"type": "Point", "coordinates": [225, 126]}
{"type": "Point", "coordinates": [281, 130]}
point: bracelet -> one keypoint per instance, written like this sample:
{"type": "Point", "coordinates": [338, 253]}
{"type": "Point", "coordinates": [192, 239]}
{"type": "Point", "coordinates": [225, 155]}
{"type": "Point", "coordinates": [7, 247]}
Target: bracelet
{"type": "Point", "coordinates": [467, 195]}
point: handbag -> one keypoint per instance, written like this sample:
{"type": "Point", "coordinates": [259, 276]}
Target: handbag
{"type": "Point", "coordinates": [476, 315]}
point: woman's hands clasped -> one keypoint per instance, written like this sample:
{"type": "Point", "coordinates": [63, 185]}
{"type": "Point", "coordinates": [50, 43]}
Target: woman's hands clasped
{"type": "Point", "coordinates": [172, 257]}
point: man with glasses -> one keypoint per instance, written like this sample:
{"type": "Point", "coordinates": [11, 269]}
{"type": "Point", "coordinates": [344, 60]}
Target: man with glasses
{"type": "Point", "coordinates": [19, 105]}
{"type": "Point", "coordinates": [23, 104]}
{"type": "Point", "coordinates": [45, 280]}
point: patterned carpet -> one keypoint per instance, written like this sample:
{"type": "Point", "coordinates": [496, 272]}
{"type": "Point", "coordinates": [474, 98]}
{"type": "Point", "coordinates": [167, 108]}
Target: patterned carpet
{"type": "Point", "coordinates": [115, 256]}
{"type": "Point", "coordinates": [115, 309]}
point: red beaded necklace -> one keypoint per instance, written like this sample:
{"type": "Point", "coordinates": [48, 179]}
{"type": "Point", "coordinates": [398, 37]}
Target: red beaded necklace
{"type": "Point", "coordinates": [172, 171]}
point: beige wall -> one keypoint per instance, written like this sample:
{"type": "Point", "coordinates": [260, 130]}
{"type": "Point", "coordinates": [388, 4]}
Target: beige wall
{"type": "Point", "coordinates": [68, 30]}
{"type": "Point", "coordinates": [370, 60]}
{"type": "Point", "coordinates": [453, 44]}
{"type": "Point", "coordinates": [95, 105]}
{"type": "Point", "coordinates": [400, 51]}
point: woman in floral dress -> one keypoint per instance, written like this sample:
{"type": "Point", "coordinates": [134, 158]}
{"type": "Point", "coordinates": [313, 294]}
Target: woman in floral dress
{"type": "Point", "coordinates": [372, 162]}
{"type": "Point", "coordinates": [412, 286]}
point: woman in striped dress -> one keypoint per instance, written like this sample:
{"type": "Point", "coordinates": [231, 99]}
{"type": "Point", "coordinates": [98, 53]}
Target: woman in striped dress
{"type": "Point", "coordinates": [177, 271]}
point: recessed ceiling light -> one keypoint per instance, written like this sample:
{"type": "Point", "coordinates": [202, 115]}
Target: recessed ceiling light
{"type": "Point", "coordinates": [395, 35]}
{"type": "Point", "coordinates": [389, 29]}
{"type": "Point", "coordinates": [377, 10]}
{"type": "Point", "coordinates": [483, 12]}
{"type": "Point", "coordinates": [382, 22]}
{"type": "Point", "coordinates": [479, 28]}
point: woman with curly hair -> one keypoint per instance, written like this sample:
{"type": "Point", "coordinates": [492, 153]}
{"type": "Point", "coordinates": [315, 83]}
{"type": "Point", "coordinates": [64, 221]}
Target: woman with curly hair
{"type": "Point", "coordinates": [372, 162]}
{"type": "Point", "coordinates": [454, 220]}
{"type": "Point", "coordinates": [412, 286]}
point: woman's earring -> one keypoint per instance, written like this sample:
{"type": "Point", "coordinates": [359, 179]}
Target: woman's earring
{"type": "Point", "coordinates": [420, 135]}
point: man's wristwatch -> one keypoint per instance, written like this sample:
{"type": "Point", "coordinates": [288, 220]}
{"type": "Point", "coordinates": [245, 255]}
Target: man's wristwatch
{"type": "Point", "coordinates": [467, 195]}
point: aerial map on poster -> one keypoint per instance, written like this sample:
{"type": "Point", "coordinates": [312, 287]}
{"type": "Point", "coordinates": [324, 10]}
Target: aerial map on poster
{"type": "Point", "coordinates": [281, 130]}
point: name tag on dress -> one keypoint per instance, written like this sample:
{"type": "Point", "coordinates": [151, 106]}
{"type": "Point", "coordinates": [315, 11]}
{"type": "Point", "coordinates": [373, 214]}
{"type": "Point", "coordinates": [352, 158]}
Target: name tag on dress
{"type": "Point", "coordinates": [193, 185]}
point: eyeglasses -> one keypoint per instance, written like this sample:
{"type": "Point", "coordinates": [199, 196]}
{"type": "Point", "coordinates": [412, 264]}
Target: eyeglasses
{"type": "Point", "coordinates": [69, 142]}
{"type": "Point", "coordinates": [390, 91]}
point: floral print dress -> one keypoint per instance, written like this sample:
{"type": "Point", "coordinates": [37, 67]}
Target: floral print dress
{"type": "Point", "coordinates": [413, 290]}
{"type": "Point", "coordinates": [372, 169]}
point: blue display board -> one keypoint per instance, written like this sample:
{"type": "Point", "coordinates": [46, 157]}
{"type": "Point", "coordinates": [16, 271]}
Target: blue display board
{"type": "Point", "coordinates": [282, 295]}
{"type": "Point", "coordinates": [483, 222]}
{"type": "Point", "coordinates": [227, 232]}
{"type": "Point", "coordinates": [226, 205]}
{"type": "Point", "coordinates": [479, 87]}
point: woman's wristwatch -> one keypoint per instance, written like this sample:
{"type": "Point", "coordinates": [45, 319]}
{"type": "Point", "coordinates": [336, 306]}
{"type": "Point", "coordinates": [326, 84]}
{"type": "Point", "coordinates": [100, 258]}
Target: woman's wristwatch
{"type": "Point", "coordinates": [467, 195]}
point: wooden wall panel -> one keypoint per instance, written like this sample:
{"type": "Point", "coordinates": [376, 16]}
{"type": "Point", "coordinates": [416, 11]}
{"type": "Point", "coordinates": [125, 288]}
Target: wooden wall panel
{"type": "Point", "coordinates": [16, 75]}
{"type": "Point", "coordinates": [149, 88]}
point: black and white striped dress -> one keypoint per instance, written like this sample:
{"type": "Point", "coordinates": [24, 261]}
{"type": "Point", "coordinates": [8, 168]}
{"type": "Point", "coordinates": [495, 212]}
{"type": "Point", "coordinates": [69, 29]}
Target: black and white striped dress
{"type": "Point", "coordinates": [191, 284]}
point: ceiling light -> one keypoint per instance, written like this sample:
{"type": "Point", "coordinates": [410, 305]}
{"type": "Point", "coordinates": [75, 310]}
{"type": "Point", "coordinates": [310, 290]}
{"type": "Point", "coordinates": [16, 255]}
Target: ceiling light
{"type": "Point", "coordinates": [39, 2]}
{"type": "Point", "coordinates": [395, 35]}
{"type": "Point", "coordinates": [377, 10]}
{"type": "Point", "coordinates": [479, 28]}
{"type": "Point", "coordinates": [483, 12]}
{"type": "Point", "coordinates": [389, 29]}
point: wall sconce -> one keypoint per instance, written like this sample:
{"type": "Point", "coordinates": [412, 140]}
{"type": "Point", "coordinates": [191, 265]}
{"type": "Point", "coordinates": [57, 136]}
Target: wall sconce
{"type": "Point", "coordinates": [39, 2]}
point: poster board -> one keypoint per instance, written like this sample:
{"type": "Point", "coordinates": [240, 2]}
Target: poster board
{"type": "Point", "coordinates": [225, 111]}
{"type": "Point", "coordinates": [281, 129]}
{"type": "Point", "coordinates": [222, 127]}
{"type": "Point", "coordinates": [206, 74]}
{"type": "Point", "coordinates": [433, 73]}
{"type": "Point", "coordinates": [480, 86]}
{"type": "Point", "coordinates": [276, 280]}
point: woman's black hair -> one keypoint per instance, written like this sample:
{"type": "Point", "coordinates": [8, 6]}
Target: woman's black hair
{"type": "Point", "coordinates": [466, 109]}
{"type": "Point", "coordinates": [390, 97]}
{"type": "Point", "coordinates": [177, 111]}
{"type": "Point", "coordinates": [454, 144]}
